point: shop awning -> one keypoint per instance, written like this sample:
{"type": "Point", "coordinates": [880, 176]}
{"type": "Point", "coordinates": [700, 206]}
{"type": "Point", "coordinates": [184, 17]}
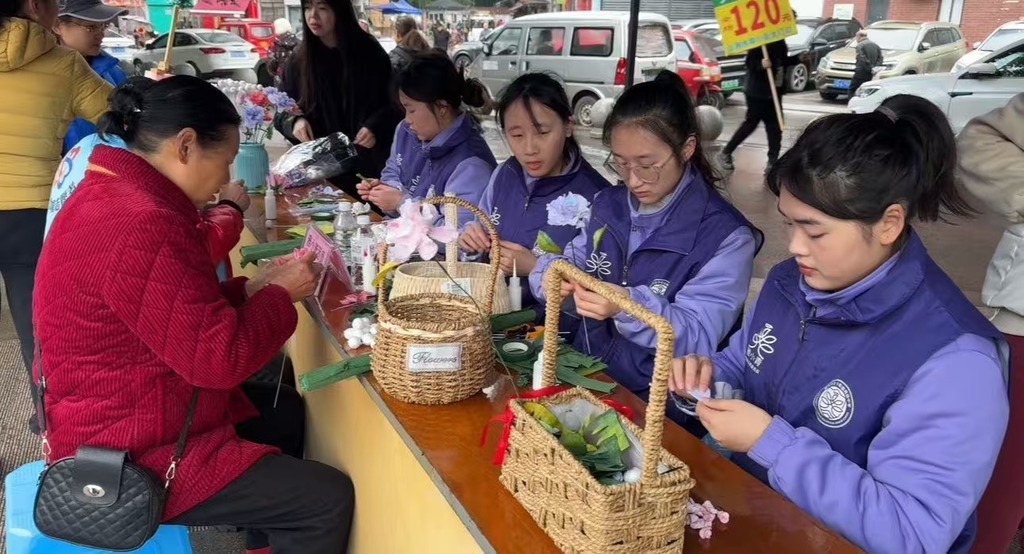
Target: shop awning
{"type": "Point", "coordinates": [221, 7]}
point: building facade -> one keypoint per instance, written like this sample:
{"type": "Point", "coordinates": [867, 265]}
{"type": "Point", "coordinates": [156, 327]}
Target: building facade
{"type": "Point", "coordinates": [977, 18]}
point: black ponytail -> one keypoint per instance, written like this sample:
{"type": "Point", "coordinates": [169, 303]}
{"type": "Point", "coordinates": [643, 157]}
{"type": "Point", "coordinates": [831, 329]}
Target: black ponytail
{"type": "Point", "coordinates": [544, 89]}
{"type": "Point", "coordinates": [664, 108]}
{"type": "Point", "coordinates": [431, 77]}
{"type": "Point", "coordinates": [144, 112]}
{"type": "Point", "coordinates": [854, 166]}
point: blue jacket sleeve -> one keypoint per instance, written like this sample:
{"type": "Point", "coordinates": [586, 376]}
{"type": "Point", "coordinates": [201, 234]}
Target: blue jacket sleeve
{"type": "Point", "coordinates": [705, 309]}
{"type": "Point", "coordinates": [391, 175]}
{"type": "Point", "coordinates": [468, 181]}
{"type": "Point", "coordinates": [927, 468]}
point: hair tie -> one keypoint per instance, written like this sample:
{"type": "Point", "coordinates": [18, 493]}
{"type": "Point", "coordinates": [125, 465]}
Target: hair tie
{"type": "Point", "coordinates": [887, 113]}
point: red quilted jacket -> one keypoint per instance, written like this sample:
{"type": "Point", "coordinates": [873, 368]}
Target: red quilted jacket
{"type": "Point", "coordinates": [130, 317]}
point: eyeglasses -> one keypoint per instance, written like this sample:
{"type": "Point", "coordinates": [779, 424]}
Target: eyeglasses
{"type": "Point", "coordinates": [647, 173]}
{"type": "Point", "coordinates": [91, 27]}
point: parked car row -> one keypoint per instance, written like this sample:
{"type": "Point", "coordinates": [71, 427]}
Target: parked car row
{"type": "Point", "coordinates": [209, 52]}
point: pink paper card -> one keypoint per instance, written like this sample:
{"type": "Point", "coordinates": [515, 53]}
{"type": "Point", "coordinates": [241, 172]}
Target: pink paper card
{"type": "Point", "coordinates": [326, 254]}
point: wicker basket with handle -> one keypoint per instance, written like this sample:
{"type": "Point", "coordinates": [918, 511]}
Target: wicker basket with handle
{"type": "Point", "coordinates": [470, 277]}
{"type": "Point", "coordinates": [574, 509]}
{"type": "Point", "coordinates": [435, 348]}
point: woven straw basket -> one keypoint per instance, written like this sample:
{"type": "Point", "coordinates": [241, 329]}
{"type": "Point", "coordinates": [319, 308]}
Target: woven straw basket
{"type": "Point", "coordinates": [578, 513]}
{"type": "Point", "coordinates": [421, 277]}
{"type": "Point", "coordinates": [432, 326]}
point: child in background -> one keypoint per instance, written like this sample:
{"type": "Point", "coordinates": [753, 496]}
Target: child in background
{"type": "Point", "coordinates": [546, 164]}
{"type": "Point", "coordinates": [666, 239]}
{"type": "Point", "coordinates": [874, 393]}
{"type": "Point", "coordinates": [438, 148]}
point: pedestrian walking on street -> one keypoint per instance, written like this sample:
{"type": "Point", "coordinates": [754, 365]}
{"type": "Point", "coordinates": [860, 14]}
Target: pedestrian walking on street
{"type": "Point", "coordinates": [757, 93]}
{"type": "Point", "coordinates": [342, 79]}
{"type": "Point", "coordinates": [991, 166]}
{"type": "Point", "coordinates": [869, 61]}
{"type": "Point", "coordinates": [441, 37]}
{"type": "Point", "coordinates": [410, 41]}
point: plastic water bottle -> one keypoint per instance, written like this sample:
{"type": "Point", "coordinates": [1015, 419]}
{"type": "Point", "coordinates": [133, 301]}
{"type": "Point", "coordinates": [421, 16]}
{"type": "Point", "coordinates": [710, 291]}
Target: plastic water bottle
{"type": "Point", "coordinates": [362, 239]}
{"type": "Point", "coordinates": [344, 228]}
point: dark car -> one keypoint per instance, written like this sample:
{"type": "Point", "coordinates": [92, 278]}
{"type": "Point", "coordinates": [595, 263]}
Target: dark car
{"type": "Point", "coordinates": [818, 37]}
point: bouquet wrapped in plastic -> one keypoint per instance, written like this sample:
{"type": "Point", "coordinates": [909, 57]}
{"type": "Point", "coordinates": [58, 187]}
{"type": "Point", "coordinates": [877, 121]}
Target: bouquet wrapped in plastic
{"type": "Point", "coordinates": [315, 161]}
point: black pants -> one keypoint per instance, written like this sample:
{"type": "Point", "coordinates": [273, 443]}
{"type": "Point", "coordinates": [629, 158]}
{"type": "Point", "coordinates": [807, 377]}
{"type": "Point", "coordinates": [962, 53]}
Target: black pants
{"type": "Point", "coordinates": [21, 240]}
{"type": "Point", "coordinates": [292, 505]}
{"type": "Point", "coordinates": [759, 110]}
{"type": "Point", "coordinates": [856, 82]}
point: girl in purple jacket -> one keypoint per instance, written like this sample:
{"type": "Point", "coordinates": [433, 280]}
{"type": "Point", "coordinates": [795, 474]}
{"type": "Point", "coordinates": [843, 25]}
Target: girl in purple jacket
{"type": "Point", "coordinates": [438, 148]}
{"type": "Point", "coordinates": [873, 392]}
{"type": "Point", "coordinates": [546, 164]}
{"type": "Point", "coordinates": [665, 238]}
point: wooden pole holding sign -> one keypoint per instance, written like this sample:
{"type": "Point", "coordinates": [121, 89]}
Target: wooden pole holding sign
{"type": "Point", "coordinates": [771, 83]}
{"type": "Point", "coordinates": [164, 67]}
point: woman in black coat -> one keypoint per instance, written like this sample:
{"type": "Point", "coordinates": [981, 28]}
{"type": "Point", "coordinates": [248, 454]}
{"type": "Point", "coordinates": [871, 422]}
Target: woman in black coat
{"type": "Point", "coordinates": [342, 79]}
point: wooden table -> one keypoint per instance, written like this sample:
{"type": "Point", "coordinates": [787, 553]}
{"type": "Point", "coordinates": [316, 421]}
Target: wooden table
{"type": "Point", "coordinates": [425, 484]}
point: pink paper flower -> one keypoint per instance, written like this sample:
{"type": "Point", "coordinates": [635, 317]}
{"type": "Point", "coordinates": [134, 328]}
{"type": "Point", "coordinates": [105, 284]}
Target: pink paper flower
{"type": "Point", "coordinates": [705, 533]}
{"type": "Point", "coordinates": [414, 231]}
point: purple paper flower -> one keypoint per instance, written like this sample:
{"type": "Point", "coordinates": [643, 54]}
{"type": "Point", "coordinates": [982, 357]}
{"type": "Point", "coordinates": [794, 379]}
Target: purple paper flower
{"type": "Point", "coordinates": [252, 117]}
{"type": "Point", "coordinates": [569, 209]}
{"type": "Point", "coordinates": [281, 101]}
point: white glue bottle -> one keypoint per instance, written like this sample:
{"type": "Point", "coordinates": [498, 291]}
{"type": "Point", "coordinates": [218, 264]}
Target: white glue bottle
{"type": "Point", "coordinates": [270, 204]}
{"type": "Point", "coordinates": [515, 291]}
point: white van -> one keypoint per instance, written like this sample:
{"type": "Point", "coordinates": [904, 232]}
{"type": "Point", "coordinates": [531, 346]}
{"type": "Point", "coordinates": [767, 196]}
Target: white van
{"type": "Point", "coordinates": [587, 50]}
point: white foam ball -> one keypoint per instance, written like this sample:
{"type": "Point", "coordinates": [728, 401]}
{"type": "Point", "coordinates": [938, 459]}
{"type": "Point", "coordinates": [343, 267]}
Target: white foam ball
{"type": "Point", "coordinates": [354, 343]}
{"type": "Point", "coordinates": [351, 333]}
{"type": "Point", "coordinates": [632, 476]}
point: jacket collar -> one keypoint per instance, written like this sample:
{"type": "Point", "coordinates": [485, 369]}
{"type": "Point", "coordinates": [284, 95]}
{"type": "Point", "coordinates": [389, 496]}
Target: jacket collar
{"type": "Point", "coordinates": [876, 296]}
{"type": "Point", "coordinates": [544, 185]}
{"type": "Point", "coordinates": [683, 215]}
{"type": "Point", "coordinates": [22, 42]}
{"type": "Point", "coordinates": [102, 62]}
{"type": "Point", "coordinates": [451, 137]}
{"type": "Point", "coordinates": [126, 166]}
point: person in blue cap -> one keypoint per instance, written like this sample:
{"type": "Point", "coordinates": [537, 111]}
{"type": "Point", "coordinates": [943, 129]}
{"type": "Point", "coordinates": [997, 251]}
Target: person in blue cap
{"type": "Point", "coordinates": [81, 25]}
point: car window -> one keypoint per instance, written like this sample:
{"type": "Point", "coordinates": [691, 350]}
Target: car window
{"type": "Point", "coordinates": [181, 39]}
{"type": "Point", "coordinates": [1010, 63]}
{"type": "Point", "coordinates": [545, 41]}
{"type": "Point", "coordinates": [653, 40]}
{"type": "Point", "coordinates": [709, 49]}
{"type": "Point", "coordinates": [160, 42]}
{"type": "Point", "coordinates": [828, 33]}
{"type": "Point", "coordinates": [1001, 38]}
{"type": "Point", "coordinates": [894, 39]}
{"type": "Point", "coordinates": [683, 50]}
{"type": "Point", "coordinates": [931, 37]}
{"type": "Point", "coordinates": [592, 42]}
{"type": "Point", "coordinates": [842, 31]}
{"type": "Point", "coordinates": [220, 38]}
{"type": "Point", "coordinates": [507, 43]}
{"type": "Point", "coordinates": [945, 36]}
{"type": "Point", "coordinates": [261, 32]}
{"type": "Point", "coordinates": [803, 34]}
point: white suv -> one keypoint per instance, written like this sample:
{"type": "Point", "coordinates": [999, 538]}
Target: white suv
{"type": "Point", "coordinates": [1003, 35]}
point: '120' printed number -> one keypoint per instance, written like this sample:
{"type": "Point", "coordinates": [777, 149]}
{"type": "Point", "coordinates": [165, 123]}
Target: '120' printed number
{"type": "Point", "coordinates": [756, 15]}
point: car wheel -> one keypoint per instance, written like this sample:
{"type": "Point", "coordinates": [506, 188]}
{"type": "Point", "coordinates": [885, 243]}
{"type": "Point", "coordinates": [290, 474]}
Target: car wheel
{"type": "Point", "coordinates": [796, 78]}
{"type": "Point", "coordinates": [726, 95]}
{"type": "Point", "coordinates": [462, 62]}
{"type": "Point", "coordinates": [582, 109]}
{"type": "Point", "coordinates": [196, 69]}
{"type": "Point", "coordinates": [713, 99]}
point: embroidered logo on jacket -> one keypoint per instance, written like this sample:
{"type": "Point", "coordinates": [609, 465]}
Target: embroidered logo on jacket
{"type": "Point", "coordinates": [599, 265]}
{"type": "Point", "coordinates": [659, 287]}
{"type": "Point", "coordinates": [415, 184]}
{"type": "Point", "coordinates": [761, 345]}
{"type": "Point", "coordinates": [834, 404]}
{"type": "Point", "coordinates": [495, 217]}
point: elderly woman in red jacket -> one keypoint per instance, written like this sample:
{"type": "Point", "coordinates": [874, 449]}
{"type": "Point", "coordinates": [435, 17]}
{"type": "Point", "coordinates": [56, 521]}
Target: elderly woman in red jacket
{"type": "Point", "coordinates": [130, 319]}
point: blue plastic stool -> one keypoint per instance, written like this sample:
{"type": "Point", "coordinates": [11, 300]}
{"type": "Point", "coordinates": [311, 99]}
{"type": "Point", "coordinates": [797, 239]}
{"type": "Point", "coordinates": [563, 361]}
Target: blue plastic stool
{"type": "Point", "coordinates": [24, 538]}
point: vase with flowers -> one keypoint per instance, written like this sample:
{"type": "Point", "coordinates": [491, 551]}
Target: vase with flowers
{"type": "Point", "coordinates": [258, 107]}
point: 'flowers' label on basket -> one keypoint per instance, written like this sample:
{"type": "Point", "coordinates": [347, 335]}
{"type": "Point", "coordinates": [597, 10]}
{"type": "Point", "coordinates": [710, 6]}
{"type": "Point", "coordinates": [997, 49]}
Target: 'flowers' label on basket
{"type": "Point", "coordinates": [427, 358]}
{"type": "Point", "coordinates": [461, 287]}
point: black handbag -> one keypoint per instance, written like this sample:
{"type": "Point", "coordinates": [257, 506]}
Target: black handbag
{"type": "Point", "coordinates": [98, 498]}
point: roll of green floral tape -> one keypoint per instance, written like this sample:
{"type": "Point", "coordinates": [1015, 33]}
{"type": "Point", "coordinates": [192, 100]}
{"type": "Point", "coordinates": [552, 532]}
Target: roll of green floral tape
{"type": "Point", "coordinates": [516, 350]}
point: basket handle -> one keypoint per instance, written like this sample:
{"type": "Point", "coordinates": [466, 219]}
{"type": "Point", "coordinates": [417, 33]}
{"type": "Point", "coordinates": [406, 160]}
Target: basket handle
{"type": "Point", "coordinates": [495, 250]}
{"type": "Point", "coordinates": [561, 271]}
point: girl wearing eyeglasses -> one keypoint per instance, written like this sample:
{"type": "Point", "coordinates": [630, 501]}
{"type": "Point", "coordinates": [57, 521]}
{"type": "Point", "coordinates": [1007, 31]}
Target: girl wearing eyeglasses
{"type": "Point", "coordinates": [546, 164]}
{"type": "Point", "coordinates": [666, 239]}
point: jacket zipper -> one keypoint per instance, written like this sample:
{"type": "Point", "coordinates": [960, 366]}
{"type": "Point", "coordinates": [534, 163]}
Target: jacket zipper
{"type": "Point", "coordinates": [804, 322]}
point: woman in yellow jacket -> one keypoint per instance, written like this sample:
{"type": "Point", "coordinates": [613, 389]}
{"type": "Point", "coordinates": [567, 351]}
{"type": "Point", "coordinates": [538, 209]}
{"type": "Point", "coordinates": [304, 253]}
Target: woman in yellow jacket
{"type": "Point", "coordinates": [45, 86]}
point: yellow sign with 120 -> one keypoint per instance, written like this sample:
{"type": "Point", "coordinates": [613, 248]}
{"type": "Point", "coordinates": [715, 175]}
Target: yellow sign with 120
{"type": "Point", "coordinates": [747, 24]}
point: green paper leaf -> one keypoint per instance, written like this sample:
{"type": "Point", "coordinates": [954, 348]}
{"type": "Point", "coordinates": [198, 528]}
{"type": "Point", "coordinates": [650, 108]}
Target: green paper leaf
{"type": "Point", "coordinates": [607, 426]}
{"type": "Point", "coordinates": [330, 374]}
{"type": "Point", "coordinates": [575, 443]}
{"type": "Point", "coordinates": [254, 253]}
{"type": "Point", "coordinates": [546, 244]}
{"type": "Point", "coordinates": [606, 459]}
{"type": "Point", "coordinates": [598, 235]}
